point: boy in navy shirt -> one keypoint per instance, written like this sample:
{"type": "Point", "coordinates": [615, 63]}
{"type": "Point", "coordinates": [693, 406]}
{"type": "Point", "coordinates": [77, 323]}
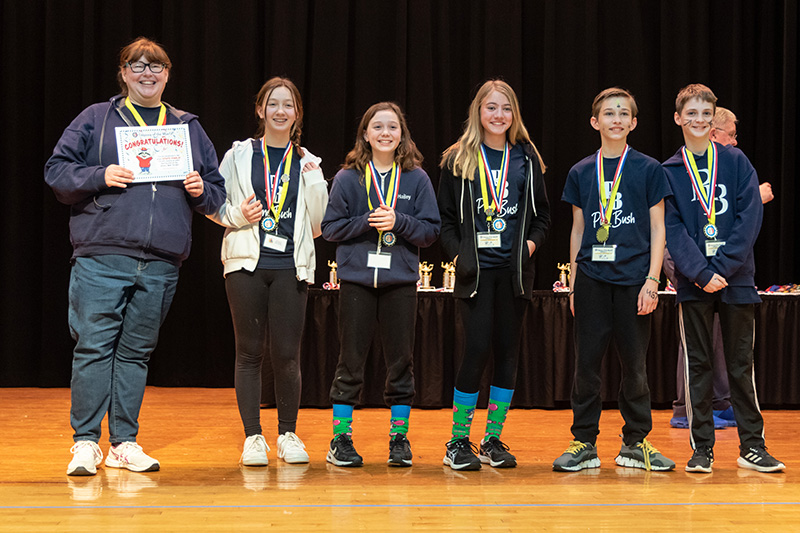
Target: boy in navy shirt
{"type": "Point", "coordinates": [713, 219]}
{"type": "Point", "coordinates": [616, 251]}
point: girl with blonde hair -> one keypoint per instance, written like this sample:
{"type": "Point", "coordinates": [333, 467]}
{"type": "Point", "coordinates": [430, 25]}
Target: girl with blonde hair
{"type": "Point", "coordinates": [495, 215]}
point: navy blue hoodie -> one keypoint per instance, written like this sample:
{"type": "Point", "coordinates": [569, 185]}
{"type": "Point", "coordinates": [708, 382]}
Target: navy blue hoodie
{"type": "Point", "coordinates": [738, 219]}
{"type": "Point", "coordinates": [144, 220]}
{"type": "Point", "coordinates": [417, 225]}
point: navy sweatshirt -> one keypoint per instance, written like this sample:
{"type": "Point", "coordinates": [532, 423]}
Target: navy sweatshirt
{"type": "Point", "coordinates": [738, 219]}
{"type": "Point", "coordinates": [417, 225]}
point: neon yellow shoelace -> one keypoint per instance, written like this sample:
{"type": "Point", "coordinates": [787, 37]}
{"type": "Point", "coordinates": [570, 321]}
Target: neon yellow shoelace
{"type": "Point", "coordinates": [647, 450]}
{"type": "Point", "coordinates": [575, 446]}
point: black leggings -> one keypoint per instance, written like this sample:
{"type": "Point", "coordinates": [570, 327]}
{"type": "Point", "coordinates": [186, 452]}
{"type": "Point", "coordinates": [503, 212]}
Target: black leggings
{"type": "Point", "coordinates": [492, 322]}
{"type": "Point", "coordinates": [268, 308]}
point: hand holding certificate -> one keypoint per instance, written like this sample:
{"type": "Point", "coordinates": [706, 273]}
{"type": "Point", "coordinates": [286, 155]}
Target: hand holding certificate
{"type": "Point", "coordinates": [155, 153]}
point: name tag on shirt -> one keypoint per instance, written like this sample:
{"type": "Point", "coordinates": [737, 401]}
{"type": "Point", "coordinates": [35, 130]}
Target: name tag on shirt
{"type": "Point", "coordinates": [379, 260]}
{"type": "Point", "coordinates": [275, 242]}
{"type": "Point", "coordinates": [489, 240]}
{"type": "Point", "coordinates": [602, 252]}
{"type": "Point", "coordinates": [712, 247]}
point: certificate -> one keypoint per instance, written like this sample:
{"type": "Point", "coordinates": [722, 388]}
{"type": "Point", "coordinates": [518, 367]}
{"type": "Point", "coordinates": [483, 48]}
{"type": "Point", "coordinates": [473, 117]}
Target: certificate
{"type": "Point", "coordinates": [155, 153]}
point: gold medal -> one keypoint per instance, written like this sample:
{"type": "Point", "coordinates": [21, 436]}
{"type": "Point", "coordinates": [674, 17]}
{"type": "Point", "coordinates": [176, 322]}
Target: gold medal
{"type": "Point", "coordinates": [602, 233]}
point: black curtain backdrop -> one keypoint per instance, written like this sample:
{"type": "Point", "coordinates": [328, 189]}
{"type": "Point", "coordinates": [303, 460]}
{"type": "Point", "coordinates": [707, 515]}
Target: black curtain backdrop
{"type": "Point", "coordinates": [429, 56]}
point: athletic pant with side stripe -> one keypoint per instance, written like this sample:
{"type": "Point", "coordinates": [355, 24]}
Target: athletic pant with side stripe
{"type": "Point", "coordinates": [737, 322]}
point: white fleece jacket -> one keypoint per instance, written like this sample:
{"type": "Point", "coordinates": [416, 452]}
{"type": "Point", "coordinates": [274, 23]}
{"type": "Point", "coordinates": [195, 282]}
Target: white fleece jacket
{"type": "Point", "coordinates": [241, 246]}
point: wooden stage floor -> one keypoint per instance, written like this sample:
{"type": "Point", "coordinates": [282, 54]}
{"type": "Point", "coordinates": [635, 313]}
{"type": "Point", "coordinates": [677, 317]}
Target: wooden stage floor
{"type": "Point", "coordinates": [196, 435]}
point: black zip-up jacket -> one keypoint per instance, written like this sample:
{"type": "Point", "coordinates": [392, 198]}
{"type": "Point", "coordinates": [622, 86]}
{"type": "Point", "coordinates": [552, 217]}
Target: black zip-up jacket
{"type": "Point", "coordinates": [459, 238]}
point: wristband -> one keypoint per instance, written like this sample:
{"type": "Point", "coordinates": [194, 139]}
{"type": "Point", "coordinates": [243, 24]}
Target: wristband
{"type": "Point", "coordinates": [653, 279]}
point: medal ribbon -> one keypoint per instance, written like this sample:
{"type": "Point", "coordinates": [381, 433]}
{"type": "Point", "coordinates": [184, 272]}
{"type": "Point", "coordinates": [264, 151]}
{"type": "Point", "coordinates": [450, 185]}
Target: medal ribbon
{"type": "Point", "coordinates": [486, 176]}
{"type": "Point", "coordinates": [371, 177]}
{"type": "Point", "coordinates": [607, 204]}
{"type": "Point", "coordinates": [162, 114]}
{"type": "Point", "coordinates": [271, 181]}
{"type": "Point", "coordinates": [706, 198]}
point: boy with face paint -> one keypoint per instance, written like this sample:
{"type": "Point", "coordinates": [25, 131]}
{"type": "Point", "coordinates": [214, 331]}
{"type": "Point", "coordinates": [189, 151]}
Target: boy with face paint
{"type": "Point", "coordinates": [713, 220]}
{"type": "Point", "coordinates": [616, 250]}
{"type": "Point", "coordinates": [723, 131]}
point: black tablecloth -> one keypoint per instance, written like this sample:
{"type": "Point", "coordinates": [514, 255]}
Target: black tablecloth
{"type": "Point", "coordinates": [547, 358]}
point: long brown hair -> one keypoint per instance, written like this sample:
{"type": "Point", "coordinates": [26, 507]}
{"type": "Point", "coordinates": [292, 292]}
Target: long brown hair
{"type": "Point", "coordinates": [462, 156]}
{"type": "Point", "coordinates": [264, 94]}
{"type": "Point", "coordinates": [407, 156]}
{"type": "Point", "coordinates": [141, 46]}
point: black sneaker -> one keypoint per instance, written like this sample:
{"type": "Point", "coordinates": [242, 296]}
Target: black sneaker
{"type": "Point", "coordinates": [399, 451]}
{"type": "Point", "coordinates": [701, 461]}
{"type": "Point", "coordinates": [461, 455]}
{"type": "Point", "coordinates": [495, 453]}
{"type": "Point", "coordinates": [343, 453]}
{"type": "Point", "coordinates": [757, 458]}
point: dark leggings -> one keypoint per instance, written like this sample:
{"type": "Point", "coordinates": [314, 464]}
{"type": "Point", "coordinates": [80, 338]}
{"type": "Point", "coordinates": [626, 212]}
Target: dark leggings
{"type": "Point", "coordinates": [264, 302]}
{"type": "Point", "coordinates": [492, 321]}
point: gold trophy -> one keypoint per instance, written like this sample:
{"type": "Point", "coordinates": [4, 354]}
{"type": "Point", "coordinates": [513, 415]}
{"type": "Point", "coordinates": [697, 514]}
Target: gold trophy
{"type": "Point", "coordinates": [425, 275]}
{"type": "Point", "coordinates": [563, 278]}
{"type": "Point", "coordinates": [333, 280]}
{"type": "Point", "coordinates": [449, 276]}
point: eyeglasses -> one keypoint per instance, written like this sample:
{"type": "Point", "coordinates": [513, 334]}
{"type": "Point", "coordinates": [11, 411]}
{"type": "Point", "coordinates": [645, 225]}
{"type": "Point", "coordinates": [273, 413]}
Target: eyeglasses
{"type": "Point", "coordinates": [731, 135]}
{"type": "Point", "coordinates": [138, 66]}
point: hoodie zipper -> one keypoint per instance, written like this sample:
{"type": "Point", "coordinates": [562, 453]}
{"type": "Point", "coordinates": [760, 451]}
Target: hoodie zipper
{"type": "Point", "coordinates": [375, 278]}
{"type": "Point", "coordinates": [522, 240]}
{"type": "Point", "coordinates": [474, 237]}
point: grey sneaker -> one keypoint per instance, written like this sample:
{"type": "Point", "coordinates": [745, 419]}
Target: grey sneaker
{"type": "Point", "coordinates": [579, 455]}
{"type": "Point", "coordinates": [643, 455]}
{"type": "Point", "coordinates": [702, 460]}
{"type": "Point", "coordinates": [757, 458]}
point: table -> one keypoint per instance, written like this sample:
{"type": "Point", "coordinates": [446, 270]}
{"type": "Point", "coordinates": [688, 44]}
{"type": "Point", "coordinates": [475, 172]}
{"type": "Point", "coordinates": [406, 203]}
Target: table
{"type": "Point", "coordinates": [546, 362]}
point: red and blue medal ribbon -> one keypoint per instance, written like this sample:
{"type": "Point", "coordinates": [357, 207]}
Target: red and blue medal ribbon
{"type": "Point", "coordinates": [271, 181]}
{"type": "Point", "coordinates": [705, 197]}
{"type": "Point", "coordinates": [497, 192]}
{"type": "Point", "coordinates": [371, 178]}
{"type": "Point", "coordinates": [392, 190]}
{"type": "Point", "coordinates": [607, 204]}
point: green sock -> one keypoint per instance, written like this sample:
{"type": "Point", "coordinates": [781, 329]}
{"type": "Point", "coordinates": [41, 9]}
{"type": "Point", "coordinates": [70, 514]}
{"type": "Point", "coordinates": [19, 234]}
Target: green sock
{"type": "Point", "coordinates": [499, 401]}
{"type": "Point", "coordinates": [463, 410]}
{"type": "Point", "coordinates": [399, 422]}
{"type": "Point", "coordinates": [342, 420]}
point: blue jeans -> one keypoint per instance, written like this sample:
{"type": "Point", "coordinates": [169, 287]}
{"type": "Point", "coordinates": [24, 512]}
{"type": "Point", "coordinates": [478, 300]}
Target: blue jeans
{"type": "Point", "coordinates": [116, 307]}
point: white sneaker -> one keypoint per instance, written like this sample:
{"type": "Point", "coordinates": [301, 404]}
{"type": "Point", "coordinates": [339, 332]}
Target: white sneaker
{"type": "Point", "coordinates": [130, 455]}
{"type": "Point", "coordinates": [86, 456]}
{"type": "Point", "coordinates": [255, 451]}
{"type": "Point", "coordinates": [291, 449]}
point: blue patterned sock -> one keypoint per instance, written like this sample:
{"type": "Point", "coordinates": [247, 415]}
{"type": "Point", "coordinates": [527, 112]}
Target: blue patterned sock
{"type": "Point", "coordinates": [463, 411]}
{"type": "Point", "coordinates": [400, 415]}
{"type": "Point", "coordinates": [342, 419]}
